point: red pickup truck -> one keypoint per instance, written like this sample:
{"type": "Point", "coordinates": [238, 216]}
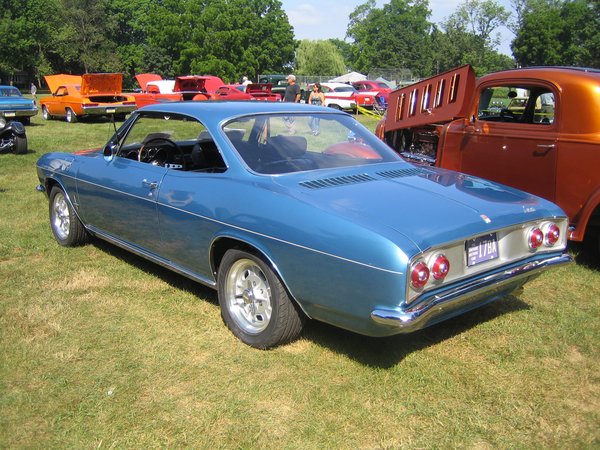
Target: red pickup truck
{"type": "Point", "coordinates": [537, 129]}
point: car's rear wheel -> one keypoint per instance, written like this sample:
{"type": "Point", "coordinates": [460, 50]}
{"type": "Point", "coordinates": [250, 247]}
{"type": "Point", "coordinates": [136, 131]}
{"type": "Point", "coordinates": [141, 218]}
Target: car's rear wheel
{"type": "Point", "coordinates": [334, 106]}
{"type": "Point", "coordinates": [71, 116]}
{"type": "Point", "coordinates": [20, 145]}
{"type": "Point", "coordinates": [45, 114]}
{"type": "Point", "coordinates": [255, 305]}
{"type": "Point", "coordinates": [66, 227]}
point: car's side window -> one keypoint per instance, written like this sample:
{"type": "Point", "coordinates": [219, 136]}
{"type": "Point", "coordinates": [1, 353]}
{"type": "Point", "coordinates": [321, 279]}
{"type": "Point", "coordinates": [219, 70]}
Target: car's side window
{"type": "Point", "coordinates": [61, 91]}
{"type": "Point", "coordinates": [172, 141]}
{"type": "Point", "coordinates": [526, 104]}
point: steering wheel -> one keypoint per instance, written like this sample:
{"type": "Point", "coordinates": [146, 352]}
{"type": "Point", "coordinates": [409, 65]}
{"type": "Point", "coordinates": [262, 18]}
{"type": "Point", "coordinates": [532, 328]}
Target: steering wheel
{"type": "Point", "coordinates": [155, 152]}
{"type": "Point", "coordinates": [505, 113]}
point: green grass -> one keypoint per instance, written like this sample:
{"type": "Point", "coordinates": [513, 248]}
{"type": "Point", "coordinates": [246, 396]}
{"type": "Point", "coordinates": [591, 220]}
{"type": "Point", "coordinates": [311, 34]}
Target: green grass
{"type": "Point", "coordinates": [101, 349]}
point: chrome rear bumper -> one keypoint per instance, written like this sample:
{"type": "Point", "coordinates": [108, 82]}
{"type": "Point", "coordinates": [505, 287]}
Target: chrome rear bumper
{"type": "Point", "coordinates": [440, 306]}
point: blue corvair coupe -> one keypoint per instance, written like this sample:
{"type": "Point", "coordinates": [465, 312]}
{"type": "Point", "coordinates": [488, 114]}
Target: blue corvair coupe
{"type": "Point", "coordinates": [295, 211]}
{"type": "Point", "coordinates": [13, 106]}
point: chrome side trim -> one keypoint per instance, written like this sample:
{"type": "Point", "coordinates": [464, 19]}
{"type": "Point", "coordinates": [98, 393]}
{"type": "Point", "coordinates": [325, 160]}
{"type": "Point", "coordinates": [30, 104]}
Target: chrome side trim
{"type": "Point", "coordinates": [152, 257]}
{"type": "Point", "coordinates": [466, 296]}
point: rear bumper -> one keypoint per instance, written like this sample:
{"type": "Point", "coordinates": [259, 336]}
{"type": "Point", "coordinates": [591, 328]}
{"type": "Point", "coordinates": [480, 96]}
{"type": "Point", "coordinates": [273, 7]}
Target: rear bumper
{"type": "Point", "coordinates": [108, 109]}
{"type": "Point", "coordinates": [439, 306]}
{"type": "Point", "coordinates": [14, 113]}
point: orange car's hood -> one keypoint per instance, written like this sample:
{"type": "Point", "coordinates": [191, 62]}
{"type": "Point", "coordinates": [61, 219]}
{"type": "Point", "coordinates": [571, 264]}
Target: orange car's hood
{"type": "Point", "coordinates": [101, 83]}
{"type": "Point", "coordinates": [144, 78]}
{"type": "Point", "coordinates": [61, 79]}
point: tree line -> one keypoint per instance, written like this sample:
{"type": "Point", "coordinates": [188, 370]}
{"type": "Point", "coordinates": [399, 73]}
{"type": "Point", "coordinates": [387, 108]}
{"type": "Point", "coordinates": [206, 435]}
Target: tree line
{"type": "Point", "coordinates": [232, 38]}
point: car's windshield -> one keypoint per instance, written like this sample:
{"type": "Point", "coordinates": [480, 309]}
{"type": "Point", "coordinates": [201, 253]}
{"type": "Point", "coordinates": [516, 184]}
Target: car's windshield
{"type": "Point", "coordinates": [278, 144]}
{"type": "Point", "coordinates": [10, 92]}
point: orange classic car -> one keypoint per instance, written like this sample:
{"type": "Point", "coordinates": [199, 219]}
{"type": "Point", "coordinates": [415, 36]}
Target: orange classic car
{"type": "Point", "coordinates": [91, 94]}
{"type": "Point", "coordinates": [537, 129]}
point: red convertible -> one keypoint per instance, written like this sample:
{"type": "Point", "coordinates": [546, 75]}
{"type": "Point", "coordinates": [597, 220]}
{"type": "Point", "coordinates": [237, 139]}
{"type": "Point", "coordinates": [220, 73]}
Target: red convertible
{"type": "Point", "coordinates": [189, 87]}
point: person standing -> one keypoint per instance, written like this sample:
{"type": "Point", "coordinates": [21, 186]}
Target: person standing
{"type": "Point", "coordinates": [291, 95]}
{"type": "Point", "coordinates": [245, 82]}
{"type": "Point", "coordinates": [317, 98]}
{"type": "Point", "coordinates": [292, 91]}
{"type": "Point", "coordinates": [33, 90]}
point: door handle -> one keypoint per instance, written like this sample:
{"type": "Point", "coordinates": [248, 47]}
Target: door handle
{"type": "Point", "coordinates": [149, 184]}
{"type": "Point", "coordinates": [546, 148]}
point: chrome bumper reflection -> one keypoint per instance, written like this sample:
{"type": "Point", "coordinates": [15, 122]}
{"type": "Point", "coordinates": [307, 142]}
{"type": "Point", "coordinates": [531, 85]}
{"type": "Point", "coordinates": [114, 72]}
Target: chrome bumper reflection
{"type": "Point", "coordinates": [466, 296]}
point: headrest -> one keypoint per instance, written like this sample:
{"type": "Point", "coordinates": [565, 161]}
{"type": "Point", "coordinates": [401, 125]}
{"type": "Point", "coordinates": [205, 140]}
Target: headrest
{"type": "Point", "coordinates": [289, 146]}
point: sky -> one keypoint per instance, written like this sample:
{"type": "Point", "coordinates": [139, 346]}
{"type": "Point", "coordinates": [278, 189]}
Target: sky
{"type": "Point", "coordinates": [325, 19]}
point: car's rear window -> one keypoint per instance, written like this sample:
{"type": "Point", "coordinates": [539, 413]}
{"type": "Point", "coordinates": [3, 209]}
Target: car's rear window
{"type": "Point", "coordinates": [278, 144]}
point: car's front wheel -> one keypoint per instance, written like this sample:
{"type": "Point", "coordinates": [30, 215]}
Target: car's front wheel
{"type": "Point", "coordinates": [66, 227]}
{"type": "Point", "coordinates": [254, 303]}
{"type": "Point", "coordinates": [45, 114]}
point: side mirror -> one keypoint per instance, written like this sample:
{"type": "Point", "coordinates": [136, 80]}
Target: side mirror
{"type": "Point", "coordinates": [109, 151]}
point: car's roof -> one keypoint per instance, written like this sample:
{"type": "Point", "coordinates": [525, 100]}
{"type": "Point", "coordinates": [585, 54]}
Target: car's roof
{"type": "Point", "coordinates": [220, 110]}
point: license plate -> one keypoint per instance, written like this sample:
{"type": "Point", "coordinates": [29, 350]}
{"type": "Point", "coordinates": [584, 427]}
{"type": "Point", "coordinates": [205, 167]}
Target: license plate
{"type": "Point", "coordinates": [110, 110]}
{"type": "Point", "coordinates": [10, 114]}
{"type": "Point", "coordinates": [481, 249]}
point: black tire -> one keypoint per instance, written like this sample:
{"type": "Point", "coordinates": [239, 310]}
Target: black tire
{"type": "Point", "coordinates": [334, 106]}
{"type": "Point", "coordinates": [20, 145]}
{"type": "Point", "coordinates": [71, 117]}
{"type": "Point", "coordinates": [120, 117]}
{"type": "Point", "coordinates": [66, 227]}
{"type": "Point", "coordinates": [45, 114]}
{"type": "Point", "coordinates": [255, 305]}
{"type": "Point", "coordinates": [25, 120]}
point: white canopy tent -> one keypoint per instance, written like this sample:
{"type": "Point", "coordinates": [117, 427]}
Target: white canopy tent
{"type": "Point", "coordinates": [349, 78]}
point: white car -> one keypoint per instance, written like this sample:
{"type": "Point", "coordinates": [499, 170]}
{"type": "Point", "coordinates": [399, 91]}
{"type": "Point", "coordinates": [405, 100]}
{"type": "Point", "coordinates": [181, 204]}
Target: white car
{"type": "Point", "coordinates": [339, 95]}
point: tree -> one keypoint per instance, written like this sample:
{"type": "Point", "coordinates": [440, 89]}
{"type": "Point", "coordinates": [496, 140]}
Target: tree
{"type": "Point", "coordinates": [469, 38]}
{"type": "Point", "coordinates": [227, 38]}
{"type": "Point", "coordinates": [85, 39]}
{"type": "Point", "coordinates": [27, 29]}
{"type": "Point", "coordinates": [319, 58]}
{"type": "Point", "coordinates": [395, 36]}
{"type": "Point", "coordinates": [557, 32]}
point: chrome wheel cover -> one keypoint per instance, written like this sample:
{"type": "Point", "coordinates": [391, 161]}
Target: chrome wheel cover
{"type": "Point", "coordinates": [61, 218]}
{"type": "Point", "coordinates": [45, 113]}
{"type": "Point", "coordinates": [248, 296]}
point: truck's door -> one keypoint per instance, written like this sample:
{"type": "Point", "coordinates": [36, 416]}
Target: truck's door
{"type": "Point", "coordinates": [512, 136]}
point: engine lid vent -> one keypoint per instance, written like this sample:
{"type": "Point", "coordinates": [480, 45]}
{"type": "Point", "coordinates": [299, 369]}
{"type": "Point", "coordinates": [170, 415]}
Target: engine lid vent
{"type": "Point", "coordinates": [402, 173]}
{"type": "Point", "coordinates": [337, 181]}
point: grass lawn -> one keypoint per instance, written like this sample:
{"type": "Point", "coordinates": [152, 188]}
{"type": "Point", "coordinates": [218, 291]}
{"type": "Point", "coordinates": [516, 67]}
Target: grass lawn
{"type": "Point", "coordinates": [100, 349]}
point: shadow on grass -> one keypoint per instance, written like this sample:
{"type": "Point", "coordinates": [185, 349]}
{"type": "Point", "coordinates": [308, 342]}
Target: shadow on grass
{"type": "Point", "coordinates": [389, 351]}
{"type": "Point", "coordinates": [586, 253]}
{"type": "Point", "coordinates": [168, 276]}
{"type": "Point", "coordinates": [374, 352]}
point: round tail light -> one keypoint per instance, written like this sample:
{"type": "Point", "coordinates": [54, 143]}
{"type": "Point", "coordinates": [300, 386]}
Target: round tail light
{"type": "Point", "coordinates": [535, 238]}
{"type": "Point", "coordinates": [552, 233]}
{"type": "Point", "coordinates": [440, 267]}
{"type": "Point", "coordinates": [419, 275]}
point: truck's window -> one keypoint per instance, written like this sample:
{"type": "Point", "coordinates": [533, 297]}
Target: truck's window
{"type": "Point", "coordinates": [518, 104]}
